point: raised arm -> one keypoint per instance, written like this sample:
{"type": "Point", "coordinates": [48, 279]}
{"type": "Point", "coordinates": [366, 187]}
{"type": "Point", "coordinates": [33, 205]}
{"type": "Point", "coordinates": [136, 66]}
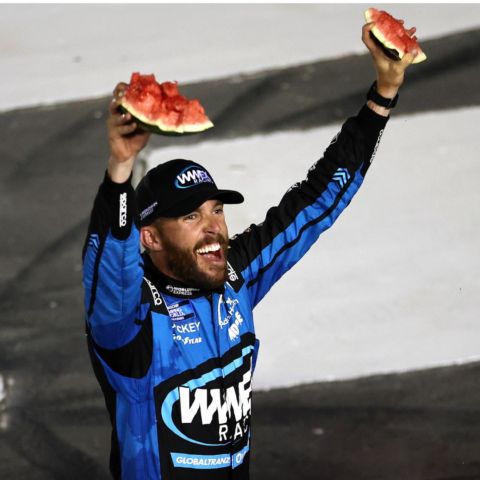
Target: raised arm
{"type": "Point", "coordinates": [266, 251]}
{"type": "Point", "coordinates": [112, 270]}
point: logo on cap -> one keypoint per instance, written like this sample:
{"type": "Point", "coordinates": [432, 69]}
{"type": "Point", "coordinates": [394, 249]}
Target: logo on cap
{"type": "Point", "coordinates": [148, 211]}
{"type": "Point", "coordinates": [192, 176]}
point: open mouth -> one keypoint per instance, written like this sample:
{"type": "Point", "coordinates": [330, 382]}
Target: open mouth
{"type": "Point", "coordinates": [212, 252]}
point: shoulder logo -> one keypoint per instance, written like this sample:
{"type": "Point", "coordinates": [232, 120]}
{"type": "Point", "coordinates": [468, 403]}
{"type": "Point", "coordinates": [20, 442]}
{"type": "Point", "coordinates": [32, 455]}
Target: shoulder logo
{"type": "Point", "coordinates": [192, 176]}
{"type": "Point", "coordinates": [334, 139]}
{"type": "Point", "coordinates": [380, 133]}
{"type": "Point", "coordinates": [294, 186]}
{"type": "Point", "coordinates": [234, 278]}
{"type": "Point", "coordinates": [341, 176]}
{"type": "Point", "coordinates": [157, 299]}
{"type": "Point", "coordinates": [232, 274]}
{"type": "Point", "coordinates": [123, 210]}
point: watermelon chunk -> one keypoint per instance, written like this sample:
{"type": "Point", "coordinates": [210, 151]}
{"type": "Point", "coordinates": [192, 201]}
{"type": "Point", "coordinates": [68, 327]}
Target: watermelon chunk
{"type": "Point", "coordinates": [392, 35]}
{"type": "Point", "coordinates": [159, 107]}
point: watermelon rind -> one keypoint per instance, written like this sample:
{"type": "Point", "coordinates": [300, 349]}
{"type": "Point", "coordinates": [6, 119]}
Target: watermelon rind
{"type": "Point", "coordinates": [161, 128]}
{"type": "Point", "coordinates": [370, 15]}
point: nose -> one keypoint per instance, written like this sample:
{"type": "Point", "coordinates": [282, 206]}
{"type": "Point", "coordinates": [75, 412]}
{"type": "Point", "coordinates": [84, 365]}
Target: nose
{"type": "Point", "coordinates": [211, 224]}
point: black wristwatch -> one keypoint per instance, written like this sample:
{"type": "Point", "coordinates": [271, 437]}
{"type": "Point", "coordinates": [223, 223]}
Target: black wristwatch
{"type": "Point", "coordinates": [375, 97]}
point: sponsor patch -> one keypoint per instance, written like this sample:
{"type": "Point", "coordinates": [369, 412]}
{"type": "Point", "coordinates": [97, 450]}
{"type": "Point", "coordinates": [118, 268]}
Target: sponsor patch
{"type": "Point", "coordinates": [185, 324]}
{"type": "Point", "coordinates": [188, 460]}
{"type": "Point", "coordinates": [376, 145]}
{"type": "Point", "coordinates": [147, 211]}
{"type": "Point", "coordinates": [234, 279]}
{"type": "Point", "coordinates": [230, 316]}
{"type": "Point", "coordinates": [180, 311]}
{"type": "Point", "coordinates": [182, 291]}
{"type": "Point", "coordinates": [205, 412]}
{"type": "Point", "coordinates": [123, 210]}
{"type": "Point", "coordinates": [192, 176]}
{"type": "Point", "coordinates": [157, 299]}
{"type": "Point", "coordinates": [232, 274]}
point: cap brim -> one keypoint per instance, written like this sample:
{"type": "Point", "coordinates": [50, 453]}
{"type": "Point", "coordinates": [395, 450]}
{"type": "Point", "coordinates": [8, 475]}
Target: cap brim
{"type": "Point", "coordinates": [191, 203]}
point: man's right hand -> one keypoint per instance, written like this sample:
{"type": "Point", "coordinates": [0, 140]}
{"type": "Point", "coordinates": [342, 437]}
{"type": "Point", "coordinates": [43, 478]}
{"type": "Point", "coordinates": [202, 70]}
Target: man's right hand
{"type": "Point", "coordinates": [125, 139]}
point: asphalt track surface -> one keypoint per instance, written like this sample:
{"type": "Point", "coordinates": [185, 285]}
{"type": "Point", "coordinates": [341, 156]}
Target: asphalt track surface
{"type": "Point", "coordinates": [53, 423]}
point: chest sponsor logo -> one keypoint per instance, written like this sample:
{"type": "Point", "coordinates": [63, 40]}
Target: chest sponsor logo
{"type": "Point", "coordinates": [204, 412]}
{"type": "Point", "coordinates": [185, 326]}
{"type": "Point", "coordinates": [229, 315]}
{"type": "Point", "coordinates": [234, 404]}
{"type": "Point", "coordinates": [186, 460]}
{"type": "Point", "coordinates": [182, 291]}
{"type": "Point", "coordinates": [234, 328]}
{"type": "Point", "coordinates": [180, 311]}
{"type": "Point", "coordinates": [187, 333]}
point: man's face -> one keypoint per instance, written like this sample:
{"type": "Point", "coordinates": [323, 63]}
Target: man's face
{"type": "Point", "coordinates": [195, 246]}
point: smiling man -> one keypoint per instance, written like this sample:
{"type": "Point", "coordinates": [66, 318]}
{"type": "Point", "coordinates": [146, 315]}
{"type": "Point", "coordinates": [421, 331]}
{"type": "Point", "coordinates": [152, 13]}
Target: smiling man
{"type": "Point", "coordinates": [170, 331]}
{"type": "Point", "coordinates": [184, 229]}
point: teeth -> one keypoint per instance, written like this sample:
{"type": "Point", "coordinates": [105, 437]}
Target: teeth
{"type": "Point", "coordinates": [214, 247]}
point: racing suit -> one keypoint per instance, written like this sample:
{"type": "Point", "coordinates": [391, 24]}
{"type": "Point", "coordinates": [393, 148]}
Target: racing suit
{"type": "Point", "coordinates": [175, 363]}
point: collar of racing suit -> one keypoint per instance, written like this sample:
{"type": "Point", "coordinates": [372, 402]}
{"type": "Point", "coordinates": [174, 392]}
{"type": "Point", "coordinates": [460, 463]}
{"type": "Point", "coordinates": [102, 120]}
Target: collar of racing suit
{"type": "Point", "coordinates": [169, 285]}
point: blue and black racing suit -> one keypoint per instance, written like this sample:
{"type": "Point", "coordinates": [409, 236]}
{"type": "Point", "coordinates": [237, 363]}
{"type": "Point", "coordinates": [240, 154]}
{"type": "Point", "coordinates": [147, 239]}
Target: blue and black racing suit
{"type": "Point", "coordinates": [175, 363]}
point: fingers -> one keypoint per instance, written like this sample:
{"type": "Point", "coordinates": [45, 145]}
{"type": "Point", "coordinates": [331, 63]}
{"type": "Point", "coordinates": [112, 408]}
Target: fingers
{"type": "Point", "coordinates": [120, 122]}
{"type": "Point", "coordinates": [374, 48]}
{"type": "Point", "coordinates": [411, 31]}
{"type": "Point", "coordinates": [126, 129]}
{"type": "Point", "coordinates": [118, 93]}
{"type": "Point", "coordinates": [119, 88]}
{"type": "Point", "coordinates": [408, 59]}
{"type": "Point", "coordinates": [120, 119]}
{"type": "Point", "coordinates": [366, 38]}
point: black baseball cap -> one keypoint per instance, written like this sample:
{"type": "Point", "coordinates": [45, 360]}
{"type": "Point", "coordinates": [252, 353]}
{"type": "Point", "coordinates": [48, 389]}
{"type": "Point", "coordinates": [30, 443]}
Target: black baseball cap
{"type": "Point", "coordinates": [176, 188]}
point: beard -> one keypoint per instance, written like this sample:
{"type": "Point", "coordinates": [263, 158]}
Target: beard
{"type": "Point", "coordinates": [183, 264]}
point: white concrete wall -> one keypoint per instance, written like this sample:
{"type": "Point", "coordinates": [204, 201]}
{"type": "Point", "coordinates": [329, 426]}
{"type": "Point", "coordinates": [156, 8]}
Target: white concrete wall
{"type": "Point", "coordinates": [52, 53]}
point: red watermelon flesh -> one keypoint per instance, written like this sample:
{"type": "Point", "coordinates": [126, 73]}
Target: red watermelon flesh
{"type": "Point", "coordinates": [159, 107]}
{"type": "Point", "coordinates": [391, 33]}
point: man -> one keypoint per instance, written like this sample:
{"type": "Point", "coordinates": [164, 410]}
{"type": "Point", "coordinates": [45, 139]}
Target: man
{"type": "Point", "coordinates": [171, 332]}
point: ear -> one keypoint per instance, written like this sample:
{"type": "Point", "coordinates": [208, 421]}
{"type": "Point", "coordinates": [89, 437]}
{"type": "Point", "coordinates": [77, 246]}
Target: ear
{"type": "Point", "coordinates": [150, 239]}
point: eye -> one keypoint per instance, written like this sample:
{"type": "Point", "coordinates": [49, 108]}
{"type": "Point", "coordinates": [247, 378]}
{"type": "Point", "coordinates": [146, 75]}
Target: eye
{"type": "Point", "coordinates": [190, 216]}
{"type": "Point", "coordinates": [218, 210]}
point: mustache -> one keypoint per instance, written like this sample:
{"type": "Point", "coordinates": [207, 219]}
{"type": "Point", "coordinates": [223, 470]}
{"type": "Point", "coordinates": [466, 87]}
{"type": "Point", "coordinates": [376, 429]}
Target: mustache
{"type": "Point", "coordinates": [216, 238]}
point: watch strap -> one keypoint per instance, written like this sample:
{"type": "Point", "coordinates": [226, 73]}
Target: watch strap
{"type": "Point", "coordinates": [378, 99]}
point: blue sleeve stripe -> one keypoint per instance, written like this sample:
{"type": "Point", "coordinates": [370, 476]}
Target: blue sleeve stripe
{"type": "Point", "coordinates": [115, 292]}
{"type": "Point", "coordinates": [331, 203]}
{"type": "Point", "coordinates": [91, 262]}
